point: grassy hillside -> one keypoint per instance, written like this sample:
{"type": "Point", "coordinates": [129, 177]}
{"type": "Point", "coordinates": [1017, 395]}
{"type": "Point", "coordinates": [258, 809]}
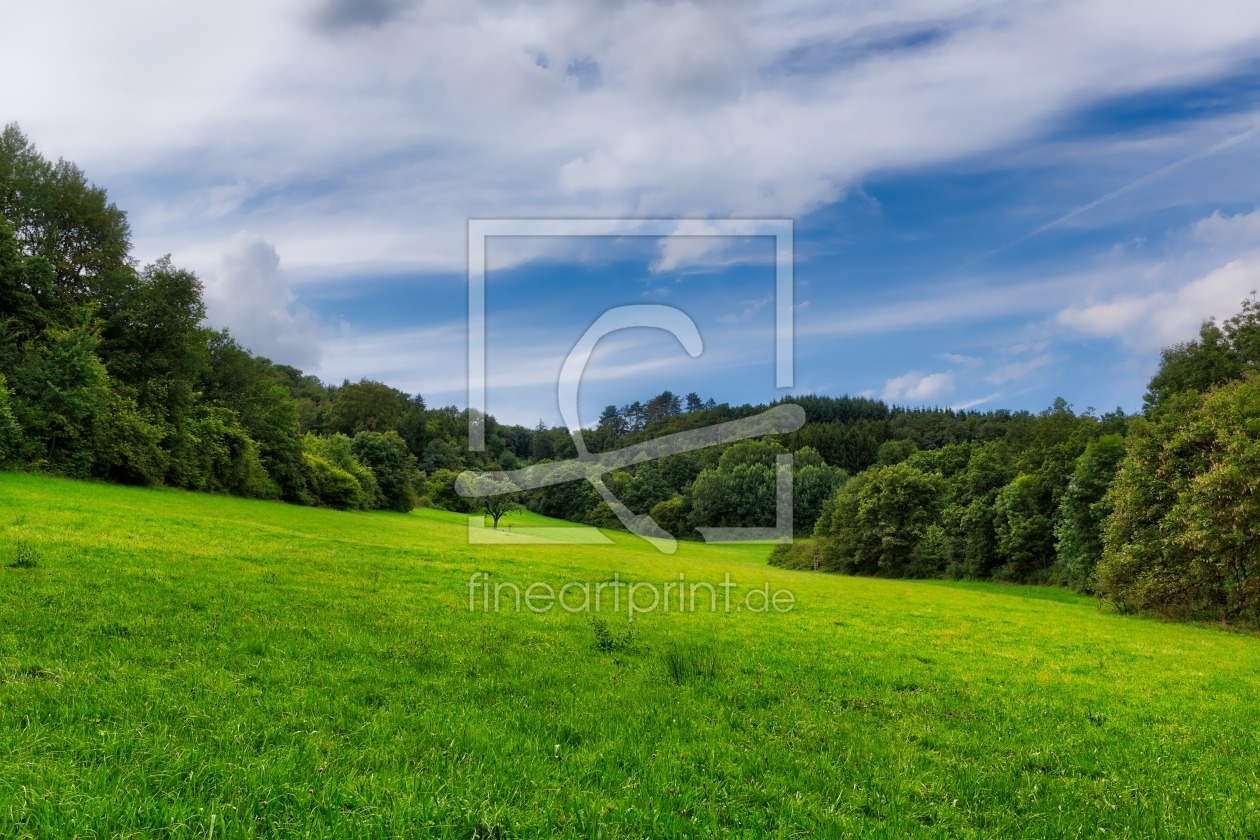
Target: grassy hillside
{"type": "Point", "coordinates": [177, 664]}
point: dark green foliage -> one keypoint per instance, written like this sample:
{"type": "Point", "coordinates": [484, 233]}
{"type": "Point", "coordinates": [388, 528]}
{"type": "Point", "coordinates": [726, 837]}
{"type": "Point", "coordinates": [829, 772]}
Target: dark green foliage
{"type": "Point", "coordinates": [441, 491]}
{"type": "Point", "coordinates": [338, 451]}
{"type": "Point", "coordinates": [1084, 509]}
{"type": "Point", "coordinates": [366, 406]}
{"type": "Point", "coordinates": [62, 397]}
{"type": "Point", "coordinates": [672, 515]}
{"type": "Point", "coordinates": [1182, 537]}
{"type": "Point", "coordinates": [894, 452]}
{"type": "Point", "coordinates": [813, 483]}
{"type": "Point", "coordinates": [129, 446]}
{"type": "Point", "coordinates": [739, 497]}
{"type": "Point", "coordinates": [215, 454]}
{"type": "Point", "coordinates": [394, 467]}
{"type": "Point", "coordinates": [152, 336]}
{"type": "Point", "coordinates": [246, 385]}
{"type": "Point", "coordinates": [1024, 527]}
{"type": "Point", "coordinates": [440, 454]}
{"type": "Point", "coordinates": [1221, 354]}
{"type": "Point", "coordinates": [610, 641]}
{"type": "Point", "coordinates": [648, 488]}
{"type": "Point", "coordinates": [60, 216]}
{"type": "Point", "coordinates": [10, 432]}
{"type": "Point", "coordinates": [880, 519]}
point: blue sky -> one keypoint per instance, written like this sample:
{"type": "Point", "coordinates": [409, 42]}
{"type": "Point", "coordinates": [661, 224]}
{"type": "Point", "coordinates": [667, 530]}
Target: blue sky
{"type": "Point", "coordinates": [995, 203]}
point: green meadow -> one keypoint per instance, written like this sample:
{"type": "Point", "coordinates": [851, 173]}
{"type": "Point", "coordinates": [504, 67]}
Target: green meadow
{"type": "Point", "coordinates": [184, 665]}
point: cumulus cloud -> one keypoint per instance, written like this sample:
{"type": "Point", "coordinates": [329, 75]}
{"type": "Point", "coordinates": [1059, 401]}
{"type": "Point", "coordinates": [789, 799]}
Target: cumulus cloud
{"type": "Point", "coordinates": [250, 296]}
{"type": "Point", "coordinates": [1219, 229]}
{"type": "Point", "coordinates": [1149, 322]}
{"type": "Point", "coordinates": [918, 387]}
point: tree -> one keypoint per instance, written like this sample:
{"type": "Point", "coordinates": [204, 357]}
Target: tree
{"type": "Point", "coordinates": [245, 384]}
{"type": "Point", "coordinates": [10, 432]}
{"type": "Point", "coordinates": [1084, 509]}
{"type": "Point", "coordinates": [441, 454]}
{"type": "Point", "coordinates": [338, 452]}
{"type": "Point", "coordinates": [1182, 539]}
{"type": "Point", "coordinates": [1024, 529]}
{"type": "Point", "coordinates": [394, 467]}
{"type": "Point", "coordinates": [496, 495]}
{"type": "Point", "coordinates": [541, 448]}
{"type": "Point", "coordinates": [1221, 354]}
{"type": "Point", "coordinates": [63, 396]}
{"type": "Point", "coordinates": [611, 421]}
{"type": "Point", "coordinates": [648, 488]}
{"type": "Point", "coordinates": [880, 518]}
{"type": "Point", "coordinates": [59, 215]}
{"type": "Point", "coordinates": [812, 485]}
{"type": "Point", "coordinates": [366, 406]}
{"type": "Point", "coordinates": [894, 452]}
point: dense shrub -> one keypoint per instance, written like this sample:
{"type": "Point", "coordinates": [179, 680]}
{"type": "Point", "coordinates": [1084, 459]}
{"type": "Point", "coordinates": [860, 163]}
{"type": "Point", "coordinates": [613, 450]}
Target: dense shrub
{"type": "Point", "coordinates": [1182, 537]}
{"type": "Point", "coordinates": [393, 465]}
{"type": "Point", "coordinates": [332, 486]}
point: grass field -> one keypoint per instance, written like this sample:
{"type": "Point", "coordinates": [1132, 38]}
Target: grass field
{"type": "Point", "coordinates": [185, 665]}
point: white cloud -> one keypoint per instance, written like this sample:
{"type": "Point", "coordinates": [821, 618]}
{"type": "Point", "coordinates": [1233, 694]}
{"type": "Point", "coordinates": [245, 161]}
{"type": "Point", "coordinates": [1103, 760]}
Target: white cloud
{"type": "Point", "coordinates": [1016, 371]}
{"type": "Point", "coordinates": [367, 139]}
{"type": "Point", "coordinates": [1149, 322]}
{"type": "Point", "coordinates": [918, 387]}
{"type": "Point", "coordinates": [250, 296]}
{"type": "Point", "coordinates": [962, 360]}
{"type": "Point", "coordinates": [1242, 229]}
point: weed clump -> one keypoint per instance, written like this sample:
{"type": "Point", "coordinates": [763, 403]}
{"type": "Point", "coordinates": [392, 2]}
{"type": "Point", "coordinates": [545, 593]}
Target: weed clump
{"type": "Point", "coordinates": [27, 557]}
{"type": "Point", "coordinates": [691, 663]}
{"type": "Point", "coordinates": [608, 641]}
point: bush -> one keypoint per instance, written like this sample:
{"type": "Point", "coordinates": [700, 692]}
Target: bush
{"type": "Point", "coordinates": [211, 451]}
{"type": "Point", "coordinates": [799, 555]}
{"type": "Point", "coordinates": [607, 641]}
{"type": "Point", "coordinates": [332, 486]}
{"type": "Point", "coordinates": [337, 450]}
{"type": "Point", "coordinates": [129, 447]}
{"type": "Point", "coordinates": [671, 515]}
{"type": "Point", "coordinates": [441, 490]}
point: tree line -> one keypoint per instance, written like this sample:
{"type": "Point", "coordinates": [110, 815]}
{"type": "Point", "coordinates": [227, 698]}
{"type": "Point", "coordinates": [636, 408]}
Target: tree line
{"type": "Point", "coordinates": [108, 370]}
{"type": "Point", "coordinates": [1157, 513]}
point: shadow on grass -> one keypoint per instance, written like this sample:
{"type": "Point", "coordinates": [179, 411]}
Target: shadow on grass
{"type": "Point", "coordinates": [1019, 590]}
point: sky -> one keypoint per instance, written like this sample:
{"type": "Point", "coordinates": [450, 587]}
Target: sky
{"type": "Point", "coordinates": [994, 203]}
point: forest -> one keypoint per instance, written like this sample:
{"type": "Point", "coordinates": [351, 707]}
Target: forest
{"type": "Point", "coordinates": [108, 370]}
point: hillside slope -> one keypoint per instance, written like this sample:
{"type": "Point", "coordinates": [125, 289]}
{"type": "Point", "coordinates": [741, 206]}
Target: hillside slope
{"type": "Point", "coordinates": [175, 661]}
